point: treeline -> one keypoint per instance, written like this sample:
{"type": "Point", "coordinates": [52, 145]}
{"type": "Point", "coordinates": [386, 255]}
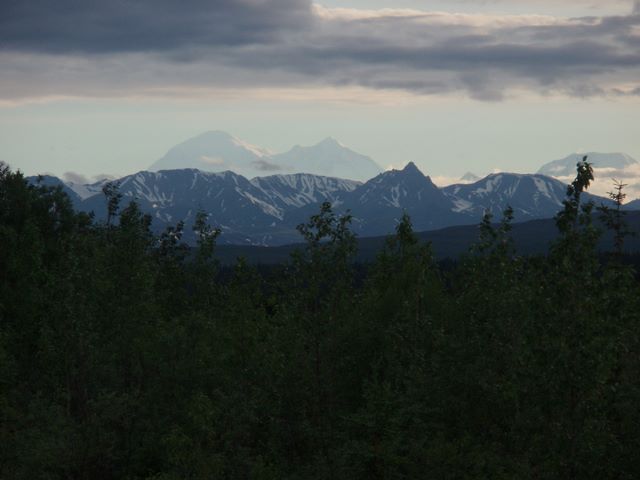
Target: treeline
{"type": "Point", "coordinates": [124, 355]}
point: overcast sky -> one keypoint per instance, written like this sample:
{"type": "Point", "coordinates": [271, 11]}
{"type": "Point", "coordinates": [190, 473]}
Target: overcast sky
{"type": "Point", "coordinates": [107, 87]}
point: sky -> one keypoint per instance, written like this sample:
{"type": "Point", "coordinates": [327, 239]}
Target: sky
{"type": "Point", "coordinates": [93, 87]}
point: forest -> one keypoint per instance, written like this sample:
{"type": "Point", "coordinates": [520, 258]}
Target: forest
{"type": "Point", "coordinates": [129, 355]}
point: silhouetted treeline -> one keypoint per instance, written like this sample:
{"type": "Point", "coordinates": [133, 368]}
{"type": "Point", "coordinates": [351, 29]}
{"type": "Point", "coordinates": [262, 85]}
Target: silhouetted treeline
{"type": "Point", "coordinates": [126, 355]}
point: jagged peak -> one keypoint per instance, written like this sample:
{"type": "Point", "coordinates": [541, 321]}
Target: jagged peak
{"type": "Point", "coordinates": [330, 142]}
{"type": "Point", "coordinates": [411, 168]}
{"type": "Point", "coordinates": [409, 174]}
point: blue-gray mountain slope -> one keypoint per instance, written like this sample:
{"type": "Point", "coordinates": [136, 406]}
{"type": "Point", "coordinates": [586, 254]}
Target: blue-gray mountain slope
{"type": "Point", "coordinates": [266, 210]}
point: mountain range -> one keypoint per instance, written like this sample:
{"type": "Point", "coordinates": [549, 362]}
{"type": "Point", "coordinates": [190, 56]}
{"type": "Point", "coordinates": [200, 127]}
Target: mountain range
{"type": "Point", "coordinates": [215, 151]}
{"type": "Point", "coordinates": [233, 182]}
{"type": "Point", "coordinates": [266, 210]}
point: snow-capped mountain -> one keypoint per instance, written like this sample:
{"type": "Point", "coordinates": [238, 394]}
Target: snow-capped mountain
{"type": "Point", "coordinates": [566, 167]}
{"type": "Point", "coordinates": [301, 189]}
{"type": "Point", "coordinates": [530, 196]}
{"type": "Point", "coordinates": [218, 151]}
{"type": "Point", "coordinates": [215, 151]}
{"type": "Point", "coordinates": [266, 210]}
{"type": "Point", "coordinates": [85, 191]}
{"type": "Point", "coordinates": [232, 202]}
{"type": "Point", "coordinates": [247, 211]}
{"type": "Point", "coordinates": [378, 204]}
{"type": "Point", "coordinates": [329, 158]}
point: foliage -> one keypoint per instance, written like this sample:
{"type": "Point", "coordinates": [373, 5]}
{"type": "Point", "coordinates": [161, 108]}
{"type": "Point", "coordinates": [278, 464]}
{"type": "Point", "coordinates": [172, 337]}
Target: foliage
{"type": "Point", "coordinates": [125, 354]}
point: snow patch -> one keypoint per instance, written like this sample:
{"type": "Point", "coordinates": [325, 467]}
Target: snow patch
{"type": "Point", "coordinates": [541, 185]}
{"type": "Point", "coordinates": [257, 151]}
{"type": "Point", "coordinates": [462, 205]}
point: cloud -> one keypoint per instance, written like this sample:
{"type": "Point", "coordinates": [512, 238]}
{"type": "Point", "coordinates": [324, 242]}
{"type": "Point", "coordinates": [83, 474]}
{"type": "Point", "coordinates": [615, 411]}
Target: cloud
{"type": "Point", "coordinates": [265, 166]}
{"type": "Point", "coordinates": [583, 5]}
{"type": "Point", "coordinates": [67, 26]}
{"type": "Point", "coordinates": [435, 18]}
{"type": "Point", "coordinates": [102, 177]}
{"type": "Point", "coordinates": [163, 49]}
{"type": "Point", "coordinates": [445, 180]}
{"type": "Point", "coordinates": [604, 180]}
{"type": "Point", "coordinates": [75, 177]}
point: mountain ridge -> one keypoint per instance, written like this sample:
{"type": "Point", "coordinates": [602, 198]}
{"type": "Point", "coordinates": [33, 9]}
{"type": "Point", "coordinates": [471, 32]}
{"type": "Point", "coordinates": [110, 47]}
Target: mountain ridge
{"type": "Point", "coordinates": [266, 210]}
{"type": "Point", "coordinates": [218, 150]}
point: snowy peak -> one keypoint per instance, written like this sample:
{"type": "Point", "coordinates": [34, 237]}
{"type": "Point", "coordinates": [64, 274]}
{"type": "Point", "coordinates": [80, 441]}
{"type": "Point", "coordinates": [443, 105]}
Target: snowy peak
{"type": "Point", "coordinates": [328, 158]}
{"type": "Point", "coordinates": [531, 196]}
{"type": "Point", "coordinates": [469, 177]}
{"type": "Point", "coordinates": [329, 142]}
{"type": "Point", "coordinates": [87, 190]}
{"type": "Point", "coordinates": [215, 139]}
{"type": "Point", "coordinates": [217, 150]}
{"type": "Point", "coordinates": [566, 167]}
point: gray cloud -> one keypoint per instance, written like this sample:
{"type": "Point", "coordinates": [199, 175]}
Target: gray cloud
{"type": "Point", "coordinates": [265, 166]}
{"type": "Point", "coordinates": [75, 177]}
{"type": "Point", "coordinates": [287, 44]}
{"type": "Point", "coordinates": [99, 26]}
{"type": "Point", "coordinates": [103, 176]}
{"type": "Point", "coordinates": [592, 3]}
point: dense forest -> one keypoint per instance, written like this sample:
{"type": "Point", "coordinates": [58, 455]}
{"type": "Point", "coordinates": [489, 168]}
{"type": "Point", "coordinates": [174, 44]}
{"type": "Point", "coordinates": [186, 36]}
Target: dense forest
{"type": "Point", "coordinates": [129, 355]}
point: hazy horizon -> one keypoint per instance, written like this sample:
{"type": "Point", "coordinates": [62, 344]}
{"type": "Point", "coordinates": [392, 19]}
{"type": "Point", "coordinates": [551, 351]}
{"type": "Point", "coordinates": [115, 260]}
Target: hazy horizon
{"type": "Point", "coordinates": [453, 86]}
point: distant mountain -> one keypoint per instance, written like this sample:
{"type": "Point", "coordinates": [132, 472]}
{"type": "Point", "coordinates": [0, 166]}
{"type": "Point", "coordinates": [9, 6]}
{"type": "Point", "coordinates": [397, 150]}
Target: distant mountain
{"type": "Point", "coordinates": [258, 216]}
{"type": "Point", "coordinates": [567, 166]}
{"type": "Point", "coordinates": [232, 202]}
{"type": "Point", "coordinates": [530, 196]}
{"type": "Point", "coordinates": [217, 151]}
{"type": "Point", "coordinates": [87, 190]}
{"type": "Point", "coordinates": [329, 158]}
{"type": "Point", "coordinates": [378, 204]}
{"type": "Point", "coordinates": [469, 177]}
{"type": "Point", "coordinates": [247, 211]}
{"type": "Point", "coordinates": [632, 205]}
